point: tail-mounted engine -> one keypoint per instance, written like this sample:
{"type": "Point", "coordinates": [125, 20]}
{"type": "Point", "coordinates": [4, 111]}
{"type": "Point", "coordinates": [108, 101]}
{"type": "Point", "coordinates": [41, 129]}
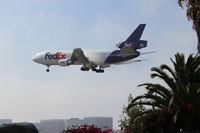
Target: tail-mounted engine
{"type": "Point", "coordinates": [135, 45]}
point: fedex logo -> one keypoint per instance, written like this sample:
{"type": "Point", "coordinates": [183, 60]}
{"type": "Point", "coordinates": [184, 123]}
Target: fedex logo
{"type": "Point", "coordinates": [130, 44]}
{"type": "Point", "coordinates": [58, 55]}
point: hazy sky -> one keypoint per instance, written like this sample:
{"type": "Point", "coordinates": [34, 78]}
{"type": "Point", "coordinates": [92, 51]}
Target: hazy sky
{"type": "Point", "coordinates": [28, 93]}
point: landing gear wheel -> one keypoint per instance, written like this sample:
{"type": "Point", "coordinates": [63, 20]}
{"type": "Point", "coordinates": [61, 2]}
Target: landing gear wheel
{"type": "Point", "coordinates": [97, 71]}
{"type": "Point", "coordinates": [47, 70]}
{"type": "Point", "coordinates": [94, 69]}
{"type": "Point", "coordinates": [84, 69]}
{"type": "Point", "coordinates": [100, 71]}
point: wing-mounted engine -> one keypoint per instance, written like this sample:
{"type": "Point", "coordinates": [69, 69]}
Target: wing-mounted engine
{"type": "Point", "coordinates": [65, 62]}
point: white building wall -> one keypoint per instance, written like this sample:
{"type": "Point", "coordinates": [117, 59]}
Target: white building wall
{"type": "Point", "coordinates": [52, 126]}
{"type": "Point", "coordinates": [72, 123]}
{"type": "Point", "coordinates": [100, 122]}
{"type": "Point", "coordinates": [58, 125]}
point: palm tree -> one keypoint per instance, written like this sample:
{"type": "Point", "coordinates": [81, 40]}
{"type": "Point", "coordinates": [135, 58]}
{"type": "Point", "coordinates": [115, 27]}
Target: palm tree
{"type": "Point", "coordinates": [177, 103]}
{"type": "Point", "coordinates": [193, 13]}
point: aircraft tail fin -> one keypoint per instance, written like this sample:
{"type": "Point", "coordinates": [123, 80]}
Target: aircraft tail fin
{"type": "Point", "coordinates": [136, 35]}
{"type": "Point", "coordinates": [134, 39]}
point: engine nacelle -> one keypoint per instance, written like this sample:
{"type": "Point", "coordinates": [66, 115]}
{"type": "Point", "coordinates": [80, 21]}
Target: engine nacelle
{"type": "Point", "coordinates": [118, 44]}
{"type": "Point", "coordinates": [65, 62]}
{"type": "Point", "coordinates": [135, 45]}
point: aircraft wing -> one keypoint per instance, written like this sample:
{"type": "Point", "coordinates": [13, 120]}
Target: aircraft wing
{"type": "Point", "coordinates": [78, 55]}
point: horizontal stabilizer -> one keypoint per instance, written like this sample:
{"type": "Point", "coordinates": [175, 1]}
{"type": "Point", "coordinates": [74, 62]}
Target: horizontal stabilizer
{"type": "Point", "coordinates": [149, 52]}
{"type": "Point", "coordinates": [128, 62]}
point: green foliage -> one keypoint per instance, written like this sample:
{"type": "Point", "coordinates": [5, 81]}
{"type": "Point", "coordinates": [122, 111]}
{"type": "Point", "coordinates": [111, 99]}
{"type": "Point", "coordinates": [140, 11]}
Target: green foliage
{"type": "Point", "coordinates": [129, 119]}
{"type": "Point", "coordinates": [193, 14]}
{"type": "Point", "coordinates": [174, 105]}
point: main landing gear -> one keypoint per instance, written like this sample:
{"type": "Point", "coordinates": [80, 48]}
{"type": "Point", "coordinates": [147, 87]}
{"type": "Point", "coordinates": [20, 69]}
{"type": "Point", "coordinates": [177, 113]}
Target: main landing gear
{"type": "Point", "coordinates": [100, 70]}
{"type": "Point", "coordinates": [85, 69]}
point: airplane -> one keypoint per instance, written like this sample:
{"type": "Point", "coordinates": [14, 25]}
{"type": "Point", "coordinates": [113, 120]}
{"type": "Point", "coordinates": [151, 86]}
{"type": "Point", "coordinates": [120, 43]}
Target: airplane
{"type": "Point", "coordinates": [96, 60]}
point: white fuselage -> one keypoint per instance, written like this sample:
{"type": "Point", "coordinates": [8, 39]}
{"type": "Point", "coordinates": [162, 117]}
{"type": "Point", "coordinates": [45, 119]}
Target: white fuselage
{"type": "Point", "coordinates": [52, 58]}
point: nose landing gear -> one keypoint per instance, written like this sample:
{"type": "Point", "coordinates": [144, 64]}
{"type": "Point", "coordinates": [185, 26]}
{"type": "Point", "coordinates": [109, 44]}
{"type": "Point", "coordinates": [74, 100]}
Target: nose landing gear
{"type": "Point", "coordinates": [47, 70]}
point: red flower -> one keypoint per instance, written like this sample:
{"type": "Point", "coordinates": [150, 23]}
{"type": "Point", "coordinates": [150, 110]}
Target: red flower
{"type": "Point", "coordinates": [87, 129]}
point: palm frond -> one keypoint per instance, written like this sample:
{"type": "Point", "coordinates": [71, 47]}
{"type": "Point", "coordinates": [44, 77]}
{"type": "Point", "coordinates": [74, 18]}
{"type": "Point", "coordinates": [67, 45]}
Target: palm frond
{"type": "Point", "coordinates": [157, 89]}
{"type": "Point", "coordinates": [165, 77]}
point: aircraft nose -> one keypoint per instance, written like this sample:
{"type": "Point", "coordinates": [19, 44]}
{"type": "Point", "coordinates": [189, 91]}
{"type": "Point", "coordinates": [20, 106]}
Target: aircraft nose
{"type": "Point", "coordinates": [37, 58]}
